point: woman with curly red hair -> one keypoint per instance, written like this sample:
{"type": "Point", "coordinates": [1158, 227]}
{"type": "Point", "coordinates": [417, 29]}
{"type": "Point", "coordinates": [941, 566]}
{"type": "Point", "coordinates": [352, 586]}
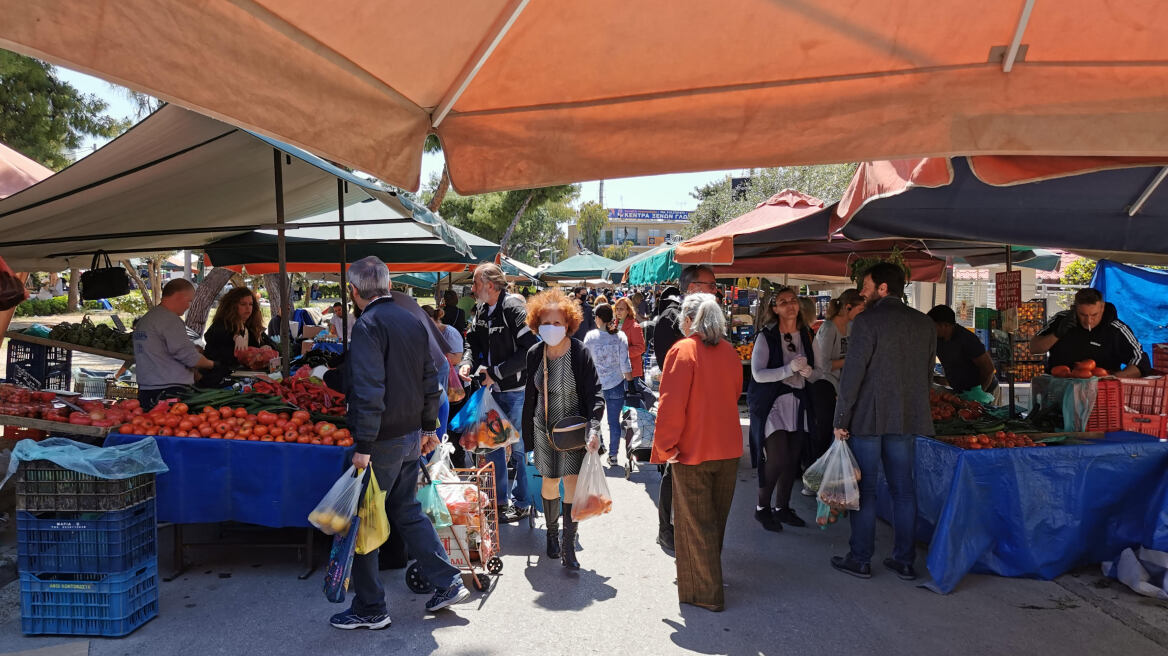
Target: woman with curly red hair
{"type": "Point", "coordinates": [561, 383]}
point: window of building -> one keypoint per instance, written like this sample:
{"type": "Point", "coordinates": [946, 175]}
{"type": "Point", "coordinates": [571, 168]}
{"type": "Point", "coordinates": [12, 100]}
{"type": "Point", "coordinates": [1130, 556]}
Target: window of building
{"type": "Point", "coordinates": [607, 238]}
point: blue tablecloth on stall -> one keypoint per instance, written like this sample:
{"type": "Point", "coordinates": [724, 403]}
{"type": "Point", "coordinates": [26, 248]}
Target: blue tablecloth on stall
{"type": "Point", "coordinates": [1036, 512]}
{"type": "Point", "coordinates": [266, 483]}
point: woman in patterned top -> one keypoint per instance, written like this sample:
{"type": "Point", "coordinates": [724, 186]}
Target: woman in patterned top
{"type": "Point", "coordinates": [561, 383]}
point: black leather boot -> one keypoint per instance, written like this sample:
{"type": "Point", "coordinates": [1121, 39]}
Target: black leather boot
{"type": "Point", "coordinates": [551, 513]}
{"type": "Point", "coordinates": [568, 544]}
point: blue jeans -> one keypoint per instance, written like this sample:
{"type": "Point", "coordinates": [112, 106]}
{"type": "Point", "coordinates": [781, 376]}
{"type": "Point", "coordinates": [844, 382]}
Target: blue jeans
{"type": "Point", "coordinates": [614, 401]}
{"type": "Point", "coordinates": [443, 414]}
{"type": "Point", "coordinates": [395, 462]}
{"type": "Point", "coordinates": [512, 405]}
{"type": "Point", "coordinates": [896, 452]}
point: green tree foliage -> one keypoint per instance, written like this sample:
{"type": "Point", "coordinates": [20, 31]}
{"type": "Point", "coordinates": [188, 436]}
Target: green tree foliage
{"type": "Point", "coordinates": [590, 225]}
{"type": "Point", "coordinates": [1078, 272]}
{"type": "Point", "coordinates": [618, 252]}
{"type": "Point", "coordinates": [719, 202]}
{"type": "Point", "coordinates": [540, 233]}
{"type": "Point", "coordinates": [45, 118]}
{"type": "Point", "coordinates": [490, 215]}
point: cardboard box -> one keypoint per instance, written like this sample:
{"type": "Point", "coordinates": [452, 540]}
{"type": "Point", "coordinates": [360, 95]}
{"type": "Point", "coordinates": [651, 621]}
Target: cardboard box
{"type": "Point", "coordinates": [447, 536]}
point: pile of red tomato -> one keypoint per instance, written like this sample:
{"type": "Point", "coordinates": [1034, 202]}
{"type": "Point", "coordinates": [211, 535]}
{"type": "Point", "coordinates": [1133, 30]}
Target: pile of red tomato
{"type": "Point", "coordinates": [999, 440]}
{"type": "Point", "coordinates": [946, 405]}
{"type": "Point", "coordinates": [236, 424]}
{"type": "Point", "coordinates": [1084, 369]}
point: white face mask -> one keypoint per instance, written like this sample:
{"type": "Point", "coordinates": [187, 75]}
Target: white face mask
{"type": "Point", "coordinates": [553, 335]}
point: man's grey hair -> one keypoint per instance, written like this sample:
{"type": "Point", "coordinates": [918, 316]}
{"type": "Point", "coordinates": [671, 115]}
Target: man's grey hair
{"type": "Point", "coordinates": [490, 272]}
{"type": "Point", "coordinates": [370, 277]}
{"type": "Point", "coordinates": [689, 273]}
{"type": "Point", "coordinates": [706, 318]}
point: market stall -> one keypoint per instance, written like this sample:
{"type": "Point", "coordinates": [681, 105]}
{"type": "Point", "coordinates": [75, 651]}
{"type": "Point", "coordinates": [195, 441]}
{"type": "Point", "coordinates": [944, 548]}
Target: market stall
{"type": "Point", "coordinates": [1036, 512]}
{"type": "Point", "coordinates": [584, 266]}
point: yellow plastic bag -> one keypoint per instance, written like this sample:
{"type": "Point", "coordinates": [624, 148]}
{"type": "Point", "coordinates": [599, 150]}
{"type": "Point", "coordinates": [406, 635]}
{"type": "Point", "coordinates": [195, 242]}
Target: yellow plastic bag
{"type": "Point", "coordinates": [373, 530]}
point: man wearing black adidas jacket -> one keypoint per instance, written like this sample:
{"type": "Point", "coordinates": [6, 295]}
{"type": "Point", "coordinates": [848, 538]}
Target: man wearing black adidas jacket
{"type": "Point", "coordinates": [498, 340]}
{"type": "Point", "coordinates": [1091, 330]}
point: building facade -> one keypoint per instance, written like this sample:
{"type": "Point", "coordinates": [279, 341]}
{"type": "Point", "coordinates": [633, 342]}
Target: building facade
{"type": "Point", "coordinates": [641, 229]}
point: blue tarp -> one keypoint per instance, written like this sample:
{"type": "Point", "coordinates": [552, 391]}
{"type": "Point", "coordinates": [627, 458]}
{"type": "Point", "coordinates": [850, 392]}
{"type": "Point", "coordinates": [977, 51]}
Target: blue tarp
{"type": "Point", "coordinates": [265, 483]}
{"type": "Point", "coordinates": [1037, 512]}
{"type": "Point", "coordinates": [1141, 297]}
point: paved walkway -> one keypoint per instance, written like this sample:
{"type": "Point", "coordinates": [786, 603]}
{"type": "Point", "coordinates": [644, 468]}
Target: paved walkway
{"type": "Point", "coordinates": [782, 598]}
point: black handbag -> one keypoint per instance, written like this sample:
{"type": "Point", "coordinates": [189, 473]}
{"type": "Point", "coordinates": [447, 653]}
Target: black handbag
{"type": "Point", "coordinates": [569, 433]}
{"type": "Point", "coordinates": [104, 282]}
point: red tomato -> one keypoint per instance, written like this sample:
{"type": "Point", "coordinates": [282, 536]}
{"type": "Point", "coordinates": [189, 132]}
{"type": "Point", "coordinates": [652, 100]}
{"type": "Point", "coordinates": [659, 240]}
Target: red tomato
{"type": "Point", "coordinates": [302, 415]}
{"type": "Point", "coordinates": [267, 418]}
{"type": "Point", "coordinates": [226, 412]}
{"type": "Point", "coordinates": [323, 428]}
{"type": "Point", "coordinates": [240, 413]}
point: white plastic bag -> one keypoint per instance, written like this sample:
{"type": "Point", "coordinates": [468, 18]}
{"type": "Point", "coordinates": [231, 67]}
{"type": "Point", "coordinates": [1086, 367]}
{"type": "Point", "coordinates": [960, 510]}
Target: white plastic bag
{"type": "Point", "coordinates": [839, 477]}
{"type": "Point", "coordinates": [441, 467]}
{"type": "Point", "coordinates": [592, 498]}
{"type": "Point", "coordinates": [335, 511]}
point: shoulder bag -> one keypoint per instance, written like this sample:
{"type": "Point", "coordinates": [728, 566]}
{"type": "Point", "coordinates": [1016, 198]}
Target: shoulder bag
{"type": "Point", "coordinates": [105, 282]}
{"type": "Point", "coordinates": [569, 433]}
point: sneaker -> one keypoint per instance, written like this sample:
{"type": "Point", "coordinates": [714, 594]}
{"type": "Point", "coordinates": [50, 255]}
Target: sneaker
{"type": "Point", "coordinates": [612, 461]}
{"type": "Point", "coordinates": [807, 492]}
{"type": "Point", "coordinates": [905, 572]}
{"type": "Point", "coordinates": [351, 620]}
{"type": "Point", "coordinates": [766, 517]}
{"type": "Point", "coordinates": [788, 516]}
{"type": "Point", "coordinates": [455, 594]}
{"type": "Point", "coordinates": [512, 514]}
{"type": "Point", "coordinates": [851, 567]}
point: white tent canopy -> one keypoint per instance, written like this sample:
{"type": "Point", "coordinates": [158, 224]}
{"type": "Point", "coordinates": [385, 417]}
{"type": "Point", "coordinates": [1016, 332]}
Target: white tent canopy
{"type": "Point", "coordinates": [180, 180]}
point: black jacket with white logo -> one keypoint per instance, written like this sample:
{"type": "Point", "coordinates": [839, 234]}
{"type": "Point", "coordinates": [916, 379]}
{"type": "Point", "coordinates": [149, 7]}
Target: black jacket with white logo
{"type": "Point", "coordinates": [500, 341]}
{"type": "Point", "coordinates": [1111, 344]}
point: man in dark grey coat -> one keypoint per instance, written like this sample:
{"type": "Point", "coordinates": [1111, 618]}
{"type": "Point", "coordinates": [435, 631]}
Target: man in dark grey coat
{"type": "Point", "coordinates": [883, 405]}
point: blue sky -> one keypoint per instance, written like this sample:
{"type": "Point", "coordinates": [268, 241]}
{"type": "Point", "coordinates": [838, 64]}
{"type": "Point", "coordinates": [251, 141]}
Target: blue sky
{"type": "Point", "coordinates": [659, 192]}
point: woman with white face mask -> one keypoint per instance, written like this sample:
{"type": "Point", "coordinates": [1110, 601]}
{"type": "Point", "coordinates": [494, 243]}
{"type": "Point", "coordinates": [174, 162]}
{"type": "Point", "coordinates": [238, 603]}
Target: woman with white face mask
{"type": "Point", "coordinates": [561, 383]}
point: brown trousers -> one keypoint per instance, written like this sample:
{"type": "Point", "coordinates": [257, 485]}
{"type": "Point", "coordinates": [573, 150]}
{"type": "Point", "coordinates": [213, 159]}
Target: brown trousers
{"type": "Point", "coordinates": [701, 504]}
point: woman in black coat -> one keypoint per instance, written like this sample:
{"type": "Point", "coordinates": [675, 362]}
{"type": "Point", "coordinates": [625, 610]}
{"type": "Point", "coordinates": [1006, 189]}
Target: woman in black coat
{"type": "Point", "coordinates": [238, 320]}
{"type": "Point", "coordinates": [561, 383]}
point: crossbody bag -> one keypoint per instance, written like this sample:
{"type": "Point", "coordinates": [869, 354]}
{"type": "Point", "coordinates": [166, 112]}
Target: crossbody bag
{"type": "Point", "coordinates": [569, 433]}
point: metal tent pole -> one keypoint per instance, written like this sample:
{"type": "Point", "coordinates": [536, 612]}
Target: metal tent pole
{"type": "Point", "coordinates": [341, 188]}
{"type": "Point", "coordinates": [285, 285]}
{"type": "Point", "coordinates": [1010, 373]}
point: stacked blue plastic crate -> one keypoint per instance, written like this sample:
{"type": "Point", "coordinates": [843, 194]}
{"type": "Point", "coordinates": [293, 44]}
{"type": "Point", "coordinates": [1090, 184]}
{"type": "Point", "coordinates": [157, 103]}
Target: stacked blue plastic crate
{"type": "Point", "coordinates": [88, 551]}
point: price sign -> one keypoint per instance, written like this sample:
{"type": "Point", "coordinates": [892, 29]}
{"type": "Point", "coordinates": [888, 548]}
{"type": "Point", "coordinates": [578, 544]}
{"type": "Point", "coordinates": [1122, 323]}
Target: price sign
{"type": "Point", "coordinates": [1008, 292]}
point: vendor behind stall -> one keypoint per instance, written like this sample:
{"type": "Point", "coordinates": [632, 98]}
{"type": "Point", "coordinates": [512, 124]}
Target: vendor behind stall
{"type": "Point", "coordinates": [965, 360]}
{"type": "Point", "coordinates": [1091, 330]}
{"type": "Point", "coordinates": [238, 324]}
{"type": "Point", "coordinates": [164, 355]}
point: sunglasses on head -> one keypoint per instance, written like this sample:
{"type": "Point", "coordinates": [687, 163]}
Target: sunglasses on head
{"type": "Point", "coordinates": [790, 340]}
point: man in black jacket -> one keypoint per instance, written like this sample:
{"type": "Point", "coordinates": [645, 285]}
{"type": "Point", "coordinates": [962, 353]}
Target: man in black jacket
{"type": "Point", "coordinates": [695, 279]}
{"type": "Point", "coordinates": [393, 397]}
{"type": "Point", "coordinates": [1091, 330]}
{"type": "Point", "coordinates": [586, 308]}
{"type": "Point", "coordinates": [497, 343]}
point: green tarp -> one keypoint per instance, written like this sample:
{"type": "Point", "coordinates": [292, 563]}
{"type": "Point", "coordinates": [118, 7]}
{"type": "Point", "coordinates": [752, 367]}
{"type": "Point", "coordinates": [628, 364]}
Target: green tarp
{"type": "Point", "coordinates": [585, 266]}
{"type": "Point", "coordinates": [655, 269]}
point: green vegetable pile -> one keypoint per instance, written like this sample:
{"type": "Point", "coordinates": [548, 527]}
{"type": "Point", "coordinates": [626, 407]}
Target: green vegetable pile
{"type": "Point", "coordinates": [99, 337]}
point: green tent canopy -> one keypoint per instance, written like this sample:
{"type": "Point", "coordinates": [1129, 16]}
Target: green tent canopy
{"type": "Point", "coordinates": [617, 272]}
{"type": "Point", "coordinates": [585, 266]}
{"type": "Point", "coordinates": [657, 268]}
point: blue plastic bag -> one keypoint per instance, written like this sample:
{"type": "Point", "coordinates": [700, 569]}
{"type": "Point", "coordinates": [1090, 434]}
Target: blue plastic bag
{"type": "Point", "coordinates": [340, 564]}
{"type": "Point", "coordinates": [110, 462]}
{"type": "Point", "coordinates": [468, 415]}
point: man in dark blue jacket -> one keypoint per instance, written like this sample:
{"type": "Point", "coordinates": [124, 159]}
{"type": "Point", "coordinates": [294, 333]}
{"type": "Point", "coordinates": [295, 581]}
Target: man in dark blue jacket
{"type": "Point", "coordinates": [393, 395]}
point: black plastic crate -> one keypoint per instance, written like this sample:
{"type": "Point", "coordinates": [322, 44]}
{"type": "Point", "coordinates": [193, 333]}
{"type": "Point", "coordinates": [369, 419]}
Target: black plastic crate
{"type": "Point", "coordinates": [87, 542]}
{"type": "Point", "coordinates": [108, 605]}
{"type": "Point", "coordinates": [42, 485]}
{"type": "Point", "coordinates": [38, 366]}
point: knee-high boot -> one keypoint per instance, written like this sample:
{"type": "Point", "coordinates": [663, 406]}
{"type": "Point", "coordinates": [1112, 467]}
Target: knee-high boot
{"type": "Point", "coordinates": [551, 513]}
{"type": "Point", "coordinates": [568, 544]}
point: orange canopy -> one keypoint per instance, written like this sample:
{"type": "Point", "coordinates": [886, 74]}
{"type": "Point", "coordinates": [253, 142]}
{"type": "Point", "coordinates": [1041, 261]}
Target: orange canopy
{"type": "Point", "coordinates": [526, 94]}
{"type": "Point", "coordinates": [18, 172]}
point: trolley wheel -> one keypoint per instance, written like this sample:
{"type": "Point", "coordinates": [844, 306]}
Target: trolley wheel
{"type": "Point", "coordinates": [415, 581]}
{"type": "Point", "coordinates": [495, 565]}
{"type": "Point", "coordinates": [629, 469]}
{"type": "Point", "coordinates": [482, 582]}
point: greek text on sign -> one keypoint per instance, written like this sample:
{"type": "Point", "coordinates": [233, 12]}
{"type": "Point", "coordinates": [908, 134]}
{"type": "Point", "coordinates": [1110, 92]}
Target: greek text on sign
{"type": "Point", "coordinates": [1008, 292]}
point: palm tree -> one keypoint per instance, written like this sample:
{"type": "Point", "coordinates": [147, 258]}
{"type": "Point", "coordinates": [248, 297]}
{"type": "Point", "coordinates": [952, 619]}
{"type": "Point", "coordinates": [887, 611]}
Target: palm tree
{"type": "Point", "coordinates": [433, 145]}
